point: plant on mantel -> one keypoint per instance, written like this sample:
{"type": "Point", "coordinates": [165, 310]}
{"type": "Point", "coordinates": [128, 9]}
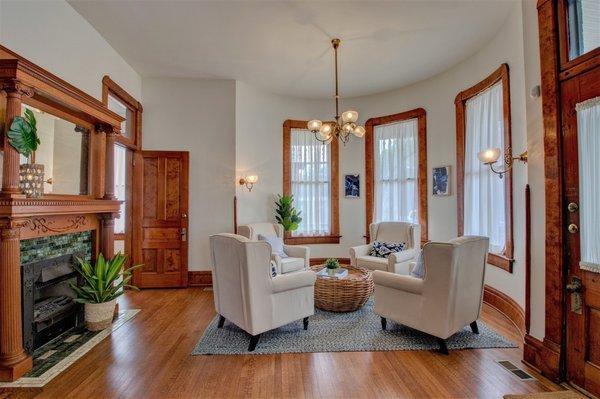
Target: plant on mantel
{"type": "Point", "coordinates": [22, 134]}
{"type": "Point", "coordinates": [100, 289]}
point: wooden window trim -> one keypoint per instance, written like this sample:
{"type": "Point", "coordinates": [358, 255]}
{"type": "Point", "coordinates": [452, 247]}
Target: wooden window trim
{"type": "Point", "coordinates": [334, 237]}
{"type": "Point", "coordinates": [111, 87]}
{"type": "Point", "coordinates": [419, 114]}
{"type": "Point", "coordinates": [505, 260]}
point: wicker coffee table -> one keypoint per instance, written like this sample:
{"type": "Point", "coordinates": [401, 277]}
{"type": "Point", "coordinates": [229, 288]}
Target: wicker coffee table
{"type": "Point", "coordinates": [343, 295]}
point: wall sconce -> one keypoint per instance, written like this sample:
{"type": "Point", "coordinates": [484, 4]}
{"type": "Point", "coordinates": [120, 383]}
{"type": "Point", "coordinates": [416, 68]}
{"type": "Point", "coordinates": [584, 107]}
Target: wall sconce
{"type": "Point", "coordinates": [248, 181]}
{"type": "Point", "coordinates": [491, 155]}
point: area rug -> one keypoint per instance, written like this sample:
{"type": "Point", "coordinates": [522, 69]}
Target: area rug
{"type": "Point", "coordinates": [64, 350]}
{"type": "Point", "coordinates": [340, 332]}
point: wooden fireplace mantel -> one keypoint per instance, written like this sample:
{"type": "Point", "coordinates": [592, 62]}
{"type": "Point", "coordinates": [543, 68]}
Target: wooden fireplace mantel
{"type": "Point", "coordinates": [23, 82]}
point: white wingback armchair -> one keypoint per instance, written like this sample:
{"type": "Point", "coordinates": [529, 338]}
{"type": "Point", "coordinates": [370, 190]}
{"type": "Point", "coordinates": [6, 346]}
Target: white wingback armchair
{"type": "Point", "coordinates": [389, 232]}
{"type": "Point", "coordinates": [447, 299]}
{"type": "Point", "coordinates": [247, 295]}
{"type": "Point", "coordinates": [298, 256]}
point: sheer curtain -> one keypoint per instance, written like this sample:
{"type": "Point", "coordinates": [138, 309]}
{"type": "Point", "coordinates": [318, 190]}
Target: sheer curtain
{"type": "Point", "coordinates": [484, 206]}
{"type": "Point", "coordinates": [311, 171]}
{"type": "Point", "coordinates": [588, 132]}
{"type": "Point", "coordinates": [120, 184]}
{"type": "Point", "coordinates": [396, 166]}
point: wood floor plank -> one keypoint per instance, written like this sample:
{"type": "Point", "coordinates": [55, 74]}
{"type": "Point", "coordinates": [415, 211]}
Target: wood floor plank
{"type": "Point", "coordinates": [149, 357]}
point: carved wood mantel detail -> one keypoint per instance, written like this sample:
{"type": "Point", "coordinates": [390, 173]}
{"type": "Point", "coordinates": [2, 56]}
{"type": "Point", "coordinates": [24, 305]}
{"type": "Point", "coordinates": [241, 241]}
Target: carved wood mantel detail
{"type": "Point", "coordinates": [23, 82]}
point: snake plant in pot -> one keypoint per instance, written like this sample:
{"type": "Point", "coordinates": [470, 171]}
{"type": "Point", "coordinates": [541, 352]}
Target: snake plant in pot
{"type": "Point", "coordinates": [101, 288]}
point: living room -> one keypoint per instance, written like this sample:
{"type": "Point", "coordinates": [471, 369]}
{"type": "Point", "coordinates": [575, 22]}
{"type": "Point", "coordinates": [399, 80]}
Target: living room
{"type": "Point", "coordinates": [313, 199]}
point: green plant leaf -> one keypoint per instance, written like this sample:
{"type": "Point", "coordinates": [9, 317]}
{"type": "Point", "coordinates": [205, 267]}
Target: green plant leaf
{"type": "Point", "coordinates": [22, 134]}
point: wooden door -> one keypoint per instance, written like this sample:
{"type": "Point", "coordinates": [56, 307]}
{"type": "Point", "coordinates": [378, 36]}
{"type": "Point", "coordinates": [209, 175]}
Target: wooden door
{"type": "Point", "coordinates": [582, 202]}
{"type": "Point", "coordinates": [160, 218]}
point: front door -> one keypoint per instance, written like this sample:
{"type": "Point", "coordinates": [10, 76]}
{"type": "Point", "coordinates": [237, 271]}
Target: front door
{"type": "Point", "coordinates": [580, 102]}
{"type": "Point", "coordinates": [160, 210]}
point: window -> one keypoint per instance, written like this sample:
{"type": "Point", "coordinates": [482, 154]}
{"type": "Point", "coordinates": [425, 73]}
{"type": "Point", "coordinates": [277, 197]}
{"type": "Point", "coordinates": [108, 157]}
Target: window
{"type": "Point", "coordinates": [121, 186]}
{"type": "Point", "coordinates": [485, 200]}
{"type": "Point", "coordinates": [396, 169]}
{"type": "Point", "coordinates": [123, 104]}
{"type": "Point", "coordinates": [583, 20]}
{"type": "Point", "coordinates": [311, 176]}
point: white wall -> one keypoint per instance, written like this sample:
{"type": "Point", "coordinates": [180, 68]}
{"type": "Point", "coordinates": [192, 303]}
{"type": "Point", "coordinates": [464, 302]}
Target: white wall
{"type": "Point", "coordinates": [54, 36]}
{"type": "Point", "coordinates": [198, 116]}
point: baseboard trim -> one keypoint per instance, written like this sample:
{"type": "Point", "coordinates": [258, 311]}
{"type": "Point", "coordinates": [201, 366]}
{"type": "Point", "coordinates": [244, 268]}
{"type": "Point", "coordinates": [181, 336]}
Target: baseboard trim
{"type": "Point", "coordinates": [200, 278]}
{"type": "Point", "coordinates": [543, 356]}
{"type": "Point", "coordinates": [318, 261]}
{"type": "Point", "coordinates": [505, 305]}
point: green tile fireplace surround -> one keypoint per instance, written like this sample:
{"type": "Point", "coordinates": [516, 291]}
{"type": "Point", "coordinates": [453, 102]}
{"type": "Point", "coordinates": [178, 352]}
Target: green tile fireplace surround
{"type": "Point", "coordinates": [36, 249]}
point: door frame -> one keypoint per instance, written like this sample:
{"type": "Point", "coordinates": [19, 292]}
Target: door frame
{"type": "Point", "coordinates": [549, 355]}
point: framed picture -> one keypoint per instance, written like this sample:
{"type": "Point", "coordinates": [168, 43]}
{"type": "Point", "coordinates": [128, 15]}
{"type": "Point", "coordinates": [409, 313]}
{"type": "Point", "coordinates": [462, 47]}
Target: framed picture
{"type": "Point", "coordinates": [352, 186]}
{"type": "Point", "coordinates": [441, 181]}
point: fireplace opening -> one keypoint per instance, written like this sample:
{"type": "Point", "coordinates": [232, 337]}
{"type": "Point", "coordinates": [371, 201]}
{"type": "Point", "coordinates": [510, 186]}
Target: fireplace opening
{"type": "Point", "coordinates": [49, 308]}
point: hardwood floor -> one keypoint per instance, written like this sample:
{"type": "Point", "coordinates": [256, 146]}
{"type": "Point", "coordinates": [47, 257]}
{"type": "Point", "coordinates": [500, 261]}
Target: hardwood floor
{"type": "Point", "coordinates": [149, 357]}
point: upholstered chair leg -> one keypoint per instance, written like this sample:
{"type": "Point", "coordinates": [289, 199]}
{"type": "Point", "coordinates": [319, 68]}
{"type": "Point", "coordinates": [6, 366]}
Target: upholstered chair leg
{"type": "Point", "coordinates": [305, 323]}
{"type": "Point", "coordinates": [474, 327]}
{"type": "Point", "coordinates": [253, 342]}
{"type": "Point", "coordinates": [383, 323]}
{"type": "Point", "coordinates": [443, 347]}
{"type": "Point", "coordinates": [221, 321]}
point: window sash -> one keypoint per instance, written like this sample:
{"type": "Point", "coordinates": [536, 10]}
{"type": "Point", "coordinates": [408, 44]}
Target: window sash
{"type": "Point", "coordinates": [311, 183]}
{"type": "Point", "coordinates": [121, 186]}
{"type": "Point", "coordinates": [484, 193]}
{"type": "Point", "coordinates": [396, 165]}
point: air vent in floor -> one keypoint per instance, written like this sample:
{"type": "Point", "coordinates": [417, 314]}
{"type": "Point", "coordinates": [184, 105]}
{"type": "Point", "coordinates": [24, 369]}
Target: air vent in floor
{"type": "Point", "coordinates": [511, 368]}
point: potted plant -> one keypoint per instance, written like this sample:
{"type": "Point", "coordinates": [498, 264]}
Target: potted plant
{"type": "Point", "coordinates": [332, 266]}
{"type": "Point", "coordinates": [22, 136]}
{"type": "Point", "coordinates": [286, 214]}
{"type": "Point", "coordinates": [101, 289]}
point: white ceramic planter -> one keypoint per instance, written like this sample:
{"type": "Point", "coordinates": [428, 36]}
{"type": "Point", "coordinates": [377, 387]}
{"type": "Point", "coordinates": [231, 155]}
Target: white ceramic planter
{"type": "Point", "coordinates": [99, 316]}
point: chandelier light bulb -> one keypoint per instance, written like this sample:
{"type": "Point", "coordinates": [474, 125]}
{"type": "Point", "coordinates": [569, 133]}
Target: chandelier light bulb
{"type": "Point", "coordinates": [348, 128]}
{"type": "Point", "coordinates": [359, 131]}
{"type": "Point", "coordinates": [314, 125]}
{"type": "Point", "coordinates": [350, 116]}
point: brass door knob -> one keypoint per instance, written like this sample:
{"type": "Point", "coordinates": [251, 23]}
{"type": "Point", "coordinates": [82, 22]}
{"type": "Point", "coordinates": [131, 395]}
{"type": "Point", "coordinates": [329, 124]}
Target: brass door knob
{"type": "Point", "coordinates": [573, 228]}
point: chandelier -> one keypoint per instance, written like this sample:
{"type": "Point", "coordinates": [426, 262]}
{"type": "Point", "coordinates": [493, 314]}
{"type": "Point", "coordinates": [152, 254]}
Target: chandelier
{"type": "Point", "coordinates": [344, 125]}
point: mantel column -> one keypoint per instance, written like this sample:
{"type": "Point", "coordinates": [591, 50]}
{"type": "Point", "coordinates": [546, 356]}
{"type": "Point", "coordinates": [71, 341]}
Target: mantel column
{"type": "Point", "coordinates": [14, 361]}
{"type": "Point", "coordinates": [109, 177]}
{"type": "Point", "coordinates": [107, 237]}
{"type": "Point", "coordinates": [10, 179]}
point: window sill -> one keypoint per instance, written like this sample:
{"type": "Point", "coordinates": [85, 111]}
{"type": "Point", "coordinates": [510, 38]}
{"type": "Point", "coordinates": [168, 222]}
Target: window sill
{"type": "Point", "coordinates": [501, 261]}
{"type": "Point", "coordinates": [313, 240]}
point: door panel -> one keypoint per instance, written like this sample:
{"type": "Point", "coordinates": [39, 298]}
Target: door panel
{"type": "Point", "coordinates": [161, 218]}
{"type": "Point", "coordinates": [580, 177]}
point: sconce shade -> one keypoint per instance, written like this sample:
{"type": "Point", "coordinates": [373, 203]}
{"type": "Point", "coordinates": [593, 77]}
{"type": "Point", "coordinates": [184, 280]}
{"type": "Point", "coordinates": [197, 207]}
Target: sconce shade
{"type": "Point", "coordinates": [252, 179]}
{"type": "Point", "coordinates": [490, 155]}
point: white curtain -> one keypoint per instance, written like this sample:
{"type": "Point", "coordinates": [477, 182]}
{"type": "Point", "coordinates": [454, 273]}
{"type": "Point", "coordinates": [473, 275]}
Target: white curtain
{"type": "Point", "coordinates": [396, 162]}
{"type": "Point", "coordinates": [484, 202]}
{"type": "Point", "coordinates": [590, 24]}
{"type": "Point", "coordinates": [311, 169]}
{"type": "Point", "coordinates": [588, 131]}
{"type": "Point", "coordinates": [120, 185]}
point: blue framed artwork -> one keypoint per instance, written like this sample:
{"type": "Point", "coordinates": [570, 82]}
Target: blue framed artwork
{"type": "Point", "coordinates": [441, 181]}
{"type": "Point", "coordinates": [352, 186]}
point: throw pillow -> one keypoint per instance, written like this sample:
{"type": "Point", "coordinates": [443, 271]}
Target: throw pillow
{"type": "Point", "coordinates": [384, 249]}
{"type": "Point", "coordinates": [276, 244]}
{"type": "Point", "coordinates": [419, 270]}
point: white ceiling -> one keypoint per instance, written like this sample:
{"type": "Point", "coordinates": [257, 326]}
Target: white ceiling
{"type": "Point", "coordinates": [284, 47]}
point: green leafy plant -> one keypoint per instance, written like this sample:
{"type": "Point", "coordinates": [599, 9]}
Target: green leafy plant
{"type": "Point", "coordinates": [332, 263]}
{"type": "Point", "coordinates": [286, 214]}
{"type": "Point", "coordinates": [22, 134]}
{"type": "Point", "coordinates": [99, 286]}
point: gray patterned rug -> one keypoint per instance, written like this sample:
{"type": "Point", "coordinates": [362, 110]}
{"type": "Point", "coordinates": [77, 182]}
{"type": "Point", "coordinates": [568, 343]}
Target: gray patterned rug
{"type": "Point", "coordinates": [340, 332]}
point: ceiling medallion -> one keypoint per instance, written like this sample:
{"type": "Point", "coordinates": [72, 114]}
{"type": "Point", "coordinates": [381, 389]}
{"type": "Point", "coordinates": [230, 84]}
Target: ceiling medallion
{"type": "Point", "coordinates": [344, 125]}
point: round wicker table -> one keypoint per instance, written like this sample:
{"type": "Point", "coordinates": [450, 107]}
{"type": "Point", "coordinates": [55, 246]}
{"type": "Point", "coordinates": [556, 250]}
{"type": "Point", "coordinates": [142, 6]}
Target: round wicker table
{"type": "Point", "coordinates": [343, 295]}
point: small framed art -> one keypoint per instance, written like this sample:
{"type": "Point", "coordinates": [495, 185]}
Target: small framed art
{"type": "Point", "coordinates": [441, 181]}
{"type": "Point", "coordinates": [352, 186]}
